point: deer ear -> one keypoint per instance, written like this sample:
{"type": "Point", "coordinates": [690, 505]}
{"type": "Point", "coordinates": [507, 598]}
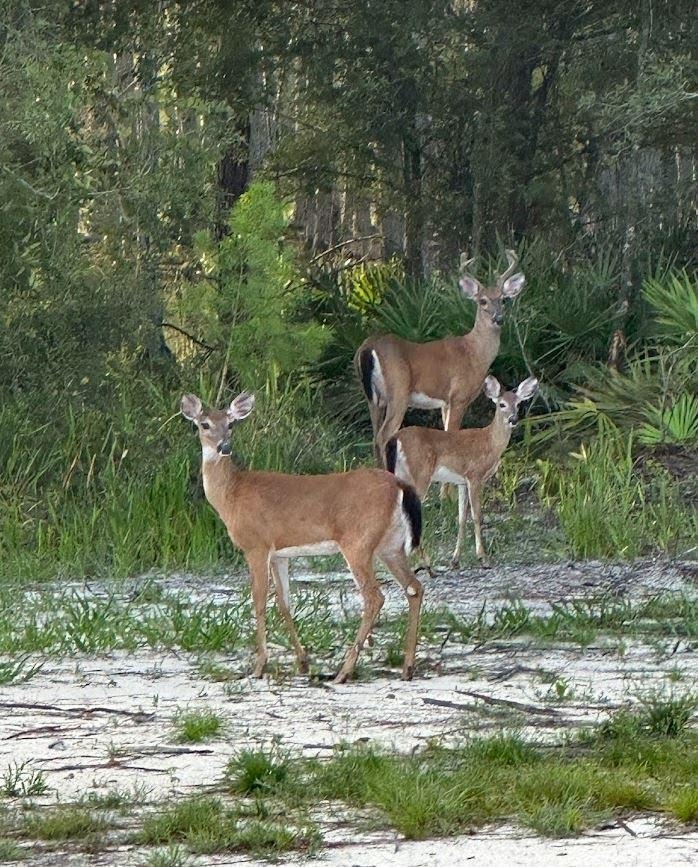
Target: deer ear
{"type": "Point", "coordinates": [513, 285]}
{"type": "Point", "coordinates": [241, 407]}
{"type": "Point", "coordinates": [191, 407]}
{"type": "Point", "coordinates": [492, 388]}
{"type": "Point", "coordinates": [526, 389]}
{"type": "Point", "coordinates": [469, 286]}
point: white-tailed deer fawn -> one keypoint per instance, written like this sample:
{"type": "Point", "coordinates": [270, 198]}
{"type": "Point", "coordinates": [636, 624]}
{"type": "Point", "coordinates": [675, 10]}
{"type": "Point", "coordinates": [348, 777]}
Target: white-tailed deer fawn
{"type": "Point", "coordinates": [468, 457]}
{"type": "Point", "coordinates": [272, 517]}
{"type": "Point", "coordinates": [442, 374]}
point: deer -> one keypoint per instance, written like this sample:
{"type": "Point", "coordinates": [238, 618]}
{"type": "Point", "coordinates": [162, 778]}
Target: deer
{"type": "Point", "coordinates": [442, 374]}
{"type": "Point", "coordinates": [467, 457]}
{"type": "Point", "coordinates": [272, 517]}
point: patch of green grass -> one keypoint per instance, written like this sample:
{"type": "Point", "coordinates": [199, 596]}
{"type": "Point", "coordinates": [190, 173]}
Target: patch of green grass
{"type": "Point", "coordinates": [70, 822]}
{"type": "Point", "coordinates": [581, 621]}
{"type": "Point", "coordinates": [629, 763]}
{"type": "Point", "coordinates": [684, 804]}
{"type": "Point", "coordinates": [607, 509]}
{"type": "Point", "coordinates": [191, 816]}
{"type": "Point", "coordinates": [116, 799]}
{"type": "Point", "coordinates": [11, 851]}
{"type": "Point", "coordinates": [210, 670]}
{"type": "Point", "coordinates": [205, 826]}
{"type": "Point", "coordinates": [70, 622]}
{"type": "Point", "coordinates": [556, 791]}
{"type": "Point", "coordinates": [257, 771]}
{"type": "Point", "coordinates": [20, 780]}
{"type": "Point", "coordinates": [655, 715]}
{"type": "Point", "coordinates": [507, 750]}
{"type": "Point", "coordinates": [667, 716]}
{"type": "Point", "coordinates": [394, 655]}
{"type": "Point", "coordinates": [194, 726]}
{"type": "Point", "coordinates": [565, 818]}
{"type": "Point", "coordinates": [173, 856]}
{"type": "Point", "coordinates": [269, 839]}
{"type": "Point", "coordinates": [18, 671]}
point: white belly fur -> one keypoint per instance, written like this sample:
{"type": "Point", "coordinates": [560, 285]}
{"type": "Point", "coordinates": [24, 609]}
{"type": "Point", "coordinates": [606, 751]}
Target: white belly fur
{"type": "Point", "coordinates": [443, 474]}
{"type": "Point", "coordinates": [319, 549]}
{"type": "Point", "coordinates": [423, 401]}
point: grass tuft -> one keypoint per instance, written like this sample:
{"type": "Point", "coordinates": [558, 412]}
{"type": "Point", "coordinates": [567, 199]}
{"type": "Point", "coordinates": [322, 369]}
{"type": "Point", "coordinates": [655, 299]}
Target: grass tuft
{"type": "Point", "coordinates": [11, 851]}
{"type": "Point", "coordinates": [64, 823]}
{"type": "Point", "coordinates": [173, 856]}
{"type": "Point", "coordinates": [191, 816]}
{"type": "Point", "coordinates": [557, 819]}
{"type": "Point", "coordinates": [684, 804]}
{"type": "Point", "coordinates": [205, 826]}
{"type": "Point", "coordinates": [19, 780]}
{"type": "Point", "coordinates": [506, 750]}
{"type": "Point", "coordinates": [254, 771]}
{"type": "Point", "coordinates": [195, 726]}
{"type": "Point", "coordinates": [17, 671]}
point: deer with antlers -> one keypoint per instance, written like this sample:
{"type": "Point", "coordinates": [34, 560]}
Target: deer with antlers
{"type": "Point", "coordinates": [467, 457]}
{"type": "Point", "coordinates": [442, 374]}
{"type": "Point", "coordinates": [273, 517]}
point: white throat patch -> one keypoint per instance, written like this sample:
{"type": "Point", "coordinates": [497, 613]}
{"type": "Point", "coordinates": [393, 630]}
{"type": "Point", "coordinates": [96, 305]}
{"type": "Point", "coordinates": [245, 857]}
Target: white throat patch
{"type": "Point", "coordinates": [209, 453]}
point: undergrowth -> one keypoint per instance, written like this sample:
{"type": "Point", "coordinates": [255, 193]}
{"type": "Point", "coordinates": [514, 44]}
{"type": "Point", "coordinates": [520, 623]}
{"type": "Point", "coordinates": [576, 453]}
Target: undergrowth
{"type": "Point", "coordinates": [71, 622]}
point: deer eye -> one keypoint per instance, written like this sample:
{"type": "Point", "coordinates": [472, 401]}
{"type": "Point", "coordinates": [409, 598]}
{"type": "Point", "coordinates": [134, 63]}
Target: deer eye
{"type": "Point", "coordinates": [205, 425]}
{"type": "Point", "coordinates": [230, 425]}
{"type": "Point", "coordinates": [483, 302]}
{"type": "Point", "coordinates": [503, 405]}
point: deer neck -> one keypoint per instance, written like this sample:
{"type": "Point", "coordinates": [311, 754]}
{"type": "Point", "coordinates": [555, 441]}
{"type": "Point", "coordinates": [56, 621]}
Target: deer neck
{"type": "Point", "coordinates": [483, 339]}
{"type": "Point", "coordinates": [219, 474]}
{"type": "Point", "coordinates": [500, 433]}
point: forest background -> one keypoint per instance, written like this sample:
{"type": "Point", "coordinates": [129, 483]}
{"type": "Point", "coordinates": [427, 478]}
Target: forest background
{"type": "Point", "coordinates": [208, 196]}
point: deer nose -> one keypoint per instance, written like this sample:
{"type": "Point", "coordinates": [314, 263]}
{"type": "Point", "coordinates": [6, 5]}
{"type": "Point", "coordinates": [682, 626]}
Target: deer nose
{"type": "Point", "coordinates": [498, 318]}
{"type": "Point", "coordinates": [224, 447]}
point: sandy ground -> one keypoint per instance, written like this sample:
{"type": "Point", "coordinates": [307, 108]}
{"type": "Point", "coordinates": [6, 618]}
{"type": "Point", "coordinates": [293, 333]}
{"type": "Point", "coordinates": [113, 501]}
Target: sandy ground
{"type": "Point", "coordinates": [92, 723]}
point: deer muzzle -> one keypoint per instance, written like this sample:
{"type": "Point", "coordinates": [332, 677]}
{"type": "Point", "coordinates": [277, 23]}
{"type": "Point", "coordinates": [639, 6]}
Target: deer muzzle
{"type": "Point", "coordinates": [224, 448]}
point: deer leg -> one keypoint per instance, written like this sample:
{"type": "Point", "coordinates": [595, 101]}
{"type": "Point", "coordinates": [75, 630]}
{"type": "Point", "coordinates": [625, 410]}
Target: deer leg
{"type": "Point", "coordinates": [451, 415]}
{"type": "Point", "coordinates": [424, 562]}
{"type": "Point", "coordinates": [394, 414]}
{"type": "Point", "coordinates": [364, 575]}
{"type": "Point", "coordinates": [475, 491]}
{"type": "Point", "coordinates": [258, 561]}
{"type": "Point", "coordinates": [462, 517]}
{"type": "Point", "coordinates": [454, 415]}
{"type": "Point", "coordinates": [445, 413]}
{"type": "Point", "coordinates": [377, 414]}
{"type": "Point", "coordinates": [279, 571]}
{"type": "Point", "coordinates": [400, 568]}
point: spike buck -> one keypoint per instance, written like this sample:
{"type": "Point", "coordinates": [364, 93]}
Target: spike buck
{"type": "Point", "coordinates": [272, 517]}
{"type": "Point", "coordinates": [467, 457]}
{"type": "Point", "coordinates": [441, 374]}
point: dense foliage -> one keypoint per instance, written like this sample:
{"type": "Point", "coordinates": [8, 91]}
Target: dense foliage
{"type": "Point", "coordinates": [208, 195]}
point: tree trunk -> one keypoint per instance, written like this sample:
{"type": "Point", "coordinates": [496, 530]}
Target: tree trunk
{"type": "Point", "coordinates": [414, 216]}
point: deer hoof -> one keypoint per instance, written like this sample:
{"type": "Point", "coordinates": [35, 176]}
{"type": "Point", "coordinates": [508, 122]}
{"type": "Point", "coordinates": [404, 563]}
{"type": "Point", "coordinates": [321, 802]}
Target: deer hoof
{"type": "Point", "coordinates": [485, 562]}
{"type": "Point", "coordinates": [407, 672]}
{"type": "Point", "coordinates": [303, 666]}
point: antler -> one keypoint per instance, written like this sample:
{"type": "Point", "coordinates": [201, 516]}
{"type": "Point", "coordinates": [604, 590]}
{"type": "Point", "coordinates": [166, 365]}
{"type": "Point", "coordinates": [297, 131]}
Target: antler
{"type": "Point", "coordinates": [465, 263]}
{"type": "Point", "coordinates": [513, 261]}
